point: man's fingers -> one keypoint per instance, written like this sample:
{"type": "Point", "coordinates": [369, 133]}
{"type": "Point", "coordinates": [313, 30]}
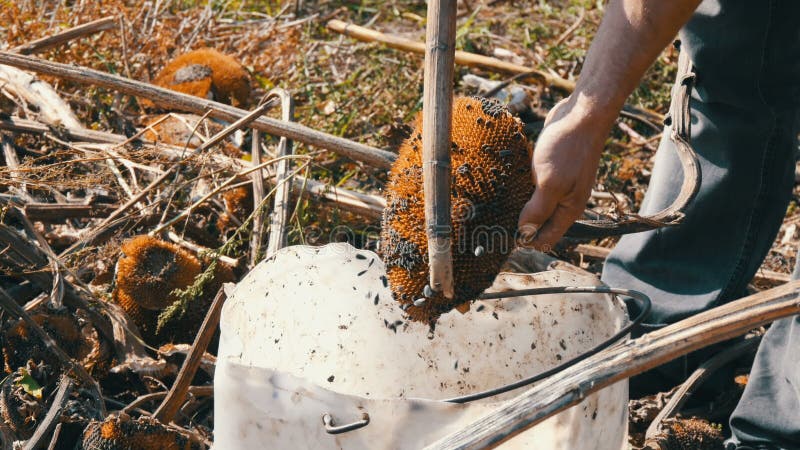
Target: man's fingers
{"type": "Point", "coordinates": [554, 229]}
{"type": "Point", "coordinates": [535, 214]}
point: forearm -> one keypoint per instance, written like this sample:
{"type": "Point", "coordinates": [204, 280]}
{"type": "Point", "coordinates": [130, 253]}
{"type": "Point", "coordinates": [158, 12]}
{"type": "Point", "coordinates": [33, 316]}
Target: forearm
{"type": "Point", "coordinates": [568, 150]}
{"type": "Point", "coordinates": [631, 36]}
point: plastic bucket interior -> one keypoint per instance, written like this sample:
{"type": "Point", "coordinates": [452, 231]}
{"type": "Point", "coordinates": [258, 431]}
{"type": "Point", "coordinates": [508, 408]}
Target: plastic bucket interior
{"type": "Point", "coordinates": [314, 332]}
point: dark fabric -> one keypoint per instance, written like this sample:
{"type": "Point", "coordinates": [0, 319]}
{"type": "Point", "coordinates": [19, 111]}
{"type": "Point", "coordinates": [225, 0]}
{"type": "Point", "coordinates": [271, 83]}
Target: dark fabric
{"type": "Point", "coordinates": [769, 411]}
{"type": "Point", "coordinates": [746, 150]}
{"type": "Point", "coordinates": [744, 113]}
{"type": "Point", "coordinates": [735, 446]}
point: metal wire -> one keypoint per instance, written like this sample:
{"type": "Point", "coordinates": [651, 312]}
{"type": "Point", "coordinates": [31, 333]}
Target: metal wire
{"type": "Point", "coordinates": [644, 310]}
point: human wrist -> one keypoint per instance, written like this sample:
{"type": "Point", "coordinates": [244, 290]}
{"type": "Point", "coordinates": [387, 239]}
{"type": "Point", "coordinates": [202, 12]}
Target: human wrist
{"type": "Point", "coordinates": [594, 111]}
{"type": "Point", "coordinates": [591, 119]}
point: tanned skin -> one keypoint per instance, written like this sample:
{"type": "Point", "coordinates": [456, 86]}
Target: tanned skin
{"type": "Point", "coordinates": [631, 36]}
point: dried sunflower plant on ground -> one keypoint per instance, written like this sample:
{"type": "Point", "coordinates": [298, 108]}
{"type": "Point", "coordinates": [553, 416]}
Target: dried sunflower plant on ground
{"type": "Point", "coordinates": [121, 218]}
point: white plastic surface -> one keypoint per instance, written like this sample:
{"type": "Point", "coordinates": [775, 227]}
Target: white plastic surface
{"type": "Point", "coordinates": [314, 330]}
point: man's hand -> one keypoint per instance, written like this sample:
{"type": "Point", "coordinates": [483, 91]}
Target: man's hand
{"type": "Point", "coordinates": [631, 36]}
{"type": "Point", "coordinates": [564, 169]}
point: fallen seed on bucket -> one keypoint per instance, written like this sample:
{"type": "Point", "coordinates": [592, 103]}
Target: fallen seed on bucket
{"type": "Point", "coordinates": [479, 250]}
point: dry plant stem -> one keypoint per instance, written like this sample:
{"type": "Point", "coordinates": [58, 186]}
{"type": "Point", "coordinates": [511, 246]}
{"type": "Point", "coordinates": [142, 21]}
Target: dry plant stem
{"type": "Point", "coordinates": [240, 123]}
{"type": "Point", "coordinates": [279, 217]}
{"type": "Point", "coordinates": [637, 140]}
{"type": "Point", "coordinates": [111, 219]}
{"type": "Point", "coordinates": [120, 179]}
{"type": "Point", "coordinates": [652, 119]}
{"type": "Point", "coordinates": [59, 212]}
{"type": "Point", "coordinates": [219, 137]}
{"type": "Point", "coordinates": [8, 303]}
{"type": "Point", "coordinates": [183, 102]}
{"type": "Point", "coordinates": [35, 303]}
{"type": "Point", "coordinates": [99, 236]}
{"type": "Point", "coordinates": [593, 251]}
{"type": "Point", "coordinates": [172, 403]}
{"type": "Point", "coordinates": [773, 277]}
{"type": "Point", "coordinates": [504, 84]}
{"type": "Point", "coordinates": [622, 361]}
{"type": "Point", "coordinates": [192, 435]}
{"type": "Point", "coordinates": [17, 124]}
{"type": "Point", "coordinates": [479, 61]}
{"type": "Point", "coordinates": [461, 57]}
{"type": "Point", "coordinates": [568, 32]}
{"type": "Point", "coordinates": [56, 436]}
{"type": "Point", "coordinates": [98, 139]}
{"type": "Point", "coordinates": [7, 437]}
{"type": "Point", "coordinates": [150, 127]}
{"type": "Point", "coordinates": [123, 32]}
{"type": "Point", "coordinates": [141, 400]}
{"type": "Point", "coordinates": [199, 391]}
{"type": "Point", "coordinates": [258, 198]}
{"type": "Point", "coordinates": [216, 190]}
{"type": "Point", "coordinates": [52, 108]}
{"type": "Point", "coordinates": [367, 205]}
{"type": "Point", "coordinates": [21, 254]}
{"type": "Point", "coordinates": [437, 113]}
{"type": "Point", "coordinates": [200, 249]}
{"type": "Point", "coordinates": [697, 378]}
{"type": "Point", "coordinates": [56, 300]}
{"type": "Point", "coordinates": [618, 199]}
{"type": "Point", "coordinates": [114, 156]}
{"type": "Point", "coordinates": [216, 139]}
{"type": "Point", "coordinates": [110, 157]}
{"type": "Point", "coordinates": [364, 204]}
{"type": "Point", "coordinates": [12, 162]}
{"type": "Point", "coordinates": [127, 341]}
{"type": "Point", "coordinates": [40, 438]}
{"type": "Point", "coordinates": [39, 45]}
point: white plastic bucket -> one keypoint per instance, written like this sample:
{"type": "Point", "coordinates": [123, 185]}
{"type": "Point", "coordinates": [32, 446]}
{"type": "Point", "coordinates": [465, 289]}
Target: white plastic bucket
{"type": "Point", "coordinates": [314, 331]}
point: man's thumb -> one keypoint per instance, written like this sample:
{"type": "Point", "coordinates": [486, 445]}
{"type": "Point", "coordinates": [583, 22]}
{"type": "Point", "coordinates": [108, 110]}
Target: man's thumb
{"type": "Point", "coordinates": [534, 214]}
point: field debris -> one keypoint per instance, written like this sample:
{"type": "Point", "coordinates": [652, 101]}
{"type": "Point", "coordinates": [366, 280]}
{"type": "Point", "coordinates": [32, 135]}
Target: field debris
{"type": "Point", "coordinates": [687, 434]}
{"type": "Point", "coordinates": [120, 220]}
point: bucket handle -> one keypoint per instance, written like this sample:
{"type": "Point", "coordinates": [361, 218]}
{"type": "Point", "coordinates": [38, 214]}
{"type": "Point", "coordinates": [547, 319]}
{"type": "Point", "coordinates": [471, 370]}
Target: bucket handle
{"type": "Point", "coordinates": [644, 305]}
{"type": "Point", "coordinates": [332, 428]}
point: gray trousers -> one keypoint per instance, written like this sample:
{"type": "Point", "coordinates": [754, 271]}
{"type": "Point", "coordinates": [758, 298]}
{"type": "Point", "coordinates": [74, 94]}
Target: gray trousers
{"type": "Point", "coordinates": [745, 104]}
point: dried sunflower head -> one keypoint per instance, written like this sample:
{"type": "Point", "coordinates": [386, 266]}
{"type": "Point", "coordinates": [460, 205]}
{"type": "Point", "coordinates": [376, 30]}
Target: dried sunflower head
{"type": "Point", "coordinates": [209, 74]}
{"type": "Point", "coordinates": [143, 433]}
{"type": "Point", "coordinates": [491, 181]}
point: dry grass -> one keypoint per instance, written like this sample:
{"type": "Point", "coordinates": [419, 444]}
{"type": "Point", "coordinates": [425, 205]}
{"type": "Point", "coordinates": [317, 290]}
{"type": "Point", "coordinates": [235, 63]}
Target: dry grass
{"type": "Point", "coordinates": [361, 91]}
